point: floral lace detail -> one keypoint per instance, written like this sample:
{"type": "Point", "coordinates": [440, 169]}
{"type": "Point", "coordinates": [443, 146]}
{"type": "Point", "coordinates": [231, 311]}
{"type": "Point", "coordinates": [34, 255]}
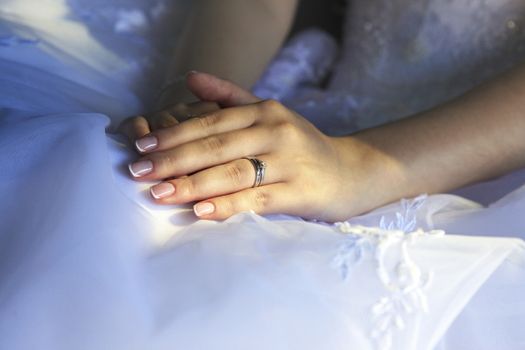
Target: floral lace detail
{"type": "Point", "coordinates": [405, 283]}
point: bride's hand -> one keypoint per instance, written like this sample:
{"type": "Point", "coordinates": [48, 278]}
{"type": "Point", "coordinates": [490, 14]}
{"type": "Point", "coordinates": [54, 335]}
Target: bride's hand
{"type": "Point", "coordinates": [307, 173]}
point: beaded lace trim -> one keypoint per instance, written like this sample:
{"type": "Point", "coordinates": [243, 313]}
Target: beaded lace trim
{"type": "Point", "coordinates": [405, 284]}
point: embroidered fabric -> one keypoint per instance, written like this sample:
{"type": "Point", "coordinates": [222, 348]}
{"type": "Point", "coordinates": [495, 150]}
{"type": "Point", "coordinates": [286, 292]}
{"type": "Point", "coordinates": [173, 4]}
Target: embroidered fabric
{"type": "Point", "coordinates": [404, 56]}
{"type": "Point", "coordinates": [403, 280]}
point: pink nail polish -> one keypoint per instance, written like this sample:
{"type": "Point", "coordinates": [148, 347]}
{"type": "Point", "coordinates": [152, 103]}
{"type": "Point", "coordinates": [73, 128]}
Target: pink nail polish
{"type": "Point", "coordinates": [162, 190]}
{"type": "Point", "coordinates": [147, 143]}
{"type": "Point", "coordinates": [141, 168]}
{"type": "Point", "coordinates": [202, 209]}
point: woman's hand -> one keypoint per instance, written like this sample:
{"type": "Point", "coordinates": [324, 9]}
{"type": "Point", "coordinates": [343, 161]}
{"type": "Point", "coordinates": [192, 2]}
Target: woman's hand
{"type": "Point", "coordinates": [315, 176]}
{"type": "Point", "coordinates": [308, 173]}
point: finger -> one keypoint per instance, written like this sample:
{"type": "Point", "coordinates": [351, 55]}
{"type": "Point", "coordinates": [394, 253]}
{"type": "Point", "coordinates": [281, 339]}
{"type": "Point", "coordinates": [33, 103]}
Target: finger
{"type": "Point", "coordinates": [162, 120]}
{"type": "Point", "coordinates": [134, 128]}
{"type": "Point", "coordinates": [203, 153]}
{"type": "Point", "coordinates": [217, 122]}
{"type": "Point", "coordinates": [207, 87]}
{"type": "Point", "coordinates": [180, 112]}
{"type": "Point", "coordinates": [184, 111]}
{"type": "Point", "coordinates": [217, 181]}
{"type": "Point", "coordinates": [264, 200]}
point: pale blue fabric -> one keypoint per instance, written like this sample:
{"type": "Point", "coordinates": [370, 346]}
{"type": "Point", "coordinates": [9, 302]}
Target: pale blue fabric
{"type": "Point", "coordinates": [87, 261]}
{"type": "Point", "coordinates": [398, 58]}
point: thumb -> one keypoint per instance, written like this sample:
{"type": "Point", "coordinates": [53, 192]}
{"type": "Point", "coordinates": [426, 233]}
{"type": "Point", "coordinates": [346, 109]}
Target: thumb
{"type": "Point", "coordinates": [207, 87]}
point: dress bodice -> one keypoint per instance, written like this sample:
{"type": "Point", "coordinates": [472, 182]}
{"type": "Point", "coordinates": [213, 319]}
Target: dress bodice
{"type": "Point", "coordinates": [397, 58]}
{"type": "Point", "coordinates": [403, 56]}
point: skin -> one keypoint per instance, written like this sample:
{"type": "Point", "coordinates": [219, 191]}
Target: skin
{"type": "Point", "coordinates": [235, 39]}
{"type": "Point", "coordinates": [475, 137]}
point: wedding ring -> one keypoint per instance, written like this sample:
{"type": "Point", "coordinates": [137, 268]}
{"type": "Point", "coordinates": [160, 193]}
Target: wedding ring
{"type": "Point", "coordinates": [260, 169]}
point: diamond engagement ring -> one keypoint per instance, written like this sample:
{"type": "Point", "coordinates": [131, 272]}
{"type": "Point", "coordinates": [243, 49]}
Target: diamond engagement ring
{"type": "Point", "coordinates": [260, 168]}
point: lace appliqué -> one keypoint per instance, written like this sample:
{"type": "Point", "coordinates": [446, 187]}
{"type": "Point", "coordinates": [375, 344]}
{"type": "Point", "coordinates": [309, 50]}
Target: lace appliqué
{"type": "Point", "coordinates": [404, 283]}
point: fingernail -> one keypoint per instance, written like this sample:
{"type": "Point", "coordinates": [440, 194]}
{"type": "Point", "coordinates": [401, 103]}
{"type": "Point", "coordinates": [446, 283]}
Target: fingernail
{"type": "Point", "coordinates": [147, 143]}
{"type": "Point", "coordinates": [201, 209]}
{"type": "Point", "coordinates": [162, 190]}
{"type": "Point", "coordinates": [191, 72]}
{"type": "Point", "coordinates": [141, 168]}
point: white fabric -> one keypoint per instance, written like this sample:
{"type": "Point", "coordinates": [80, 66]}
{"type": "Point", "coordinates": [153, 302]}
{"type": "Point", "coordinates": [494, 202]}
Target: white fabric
{"type": "Point", "coordinates": [87, 261]}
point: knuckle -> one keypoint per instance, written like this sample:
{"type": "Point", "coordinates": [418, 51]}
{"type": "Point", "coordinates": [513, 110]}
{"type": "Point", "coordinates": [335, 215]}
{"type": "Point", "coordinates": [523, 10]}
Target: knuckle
{"type": "Point", "coordinates": [187, 188]}
{"type": "Point", "coordinates": [287, 130]}
{"type": "Point", "coordinates": [214, 144]}
{"type": "Point", "coordinates": [261, 199]}
{"type": "Point", "coordinates": [169, 160]}
{"type": "Point", "coordinates": [137, 119]}
{"type": "Point", "coordinates": [134, 123]}
{"type": "Point", "coordinates": [235, 174]}
{"type": "Point", "coordinates": [164, 120]}
{"type": "Point", "coordinates": [227, 207]}
{"type": "Point", "coordinates": [271, 105]}
{"type": "Point", "coordinates": [208, 122]}
{"type": "Point", "coordinates": [165, 163]}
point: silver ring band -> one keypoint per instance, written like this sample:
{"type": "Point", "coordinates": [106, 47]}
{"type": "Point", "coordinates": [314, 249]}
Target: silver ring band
{"type": "Point", "coordinates": [260, 169]}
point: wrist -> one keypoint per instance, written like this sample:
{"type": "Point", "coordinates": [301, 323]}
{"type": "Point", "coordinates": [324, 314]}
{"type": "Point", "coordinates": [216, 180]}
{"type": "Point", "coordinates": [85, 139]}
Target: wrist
{"type": "Point", "coordinates": [373, 177]}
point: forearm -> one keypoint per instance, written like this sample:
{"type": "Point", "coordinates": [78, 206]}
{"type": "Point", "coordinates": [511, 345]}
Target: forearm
{"type": "Point", "coordinates": [234, 39]}
{"type": "Point", "coordinates": [475, 137]}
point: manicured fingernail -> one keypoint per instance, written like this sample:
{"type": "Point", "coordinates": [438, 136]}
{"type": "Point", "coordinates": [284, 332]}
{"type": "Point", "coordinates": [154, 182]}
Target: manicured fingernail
{"type": "Point", "coordinates": [162, 190]}
{"type": "Point", "coordinates": [201, 209]}
{"type": "Point", "coordinates": [141, 168]}
{"type": "Point", "coordinates": [147, 143]}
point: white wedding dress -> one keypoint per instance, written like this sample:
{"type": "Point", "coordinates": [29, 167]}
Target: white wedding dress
{"type": "Point", "coordinates": [88, 262]}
